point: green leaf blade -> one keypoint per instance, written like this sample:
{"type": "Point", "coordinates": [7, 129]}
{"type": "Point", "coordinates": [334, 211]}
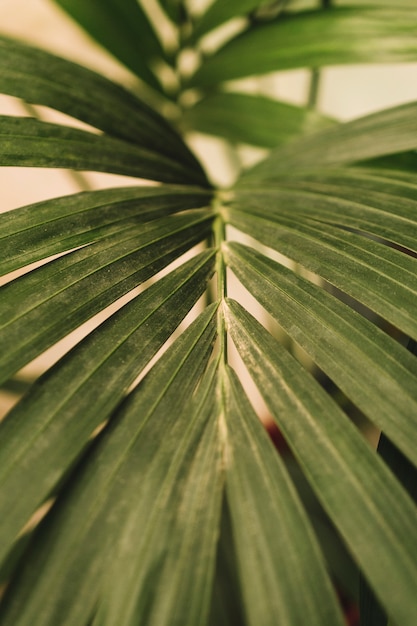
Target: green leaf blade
{"type": "Point", "coordinates": [254, 120]}
{"type": "Point", "coordinates": [132, 454]}
{"type": "Point", "coordinates": [387, 132]}
{"type": "Point", "coordinates": [43, 306]}
{"type": "Point", "coordinates": [372, 512]}
{"type": "Point", "coordinates": [227, 602]}
{"type": "Point", "coordinates": [315, 38]}
{"type": "Point", "coordinates": [373, 370]}
{"type": "Point", "coordinates": [26, 142]}
{"type": "Point", "coordinates": [123, 29]}
{"type": "Point", "coordinates": [375, 275]}
{"type": "Point", "coordinates": [90, 380]}
{"type": "Point", "coordinates": [276, 552]}
{"type": "Point", "coordinates": [42, 78]}
{"type": "Point", "coordinates": [367, 202]}
{"type": "Point", "coordinates": [186, 599]}
{"type": "Point", "coordinates": [220, 12]}
{"type": "Point", "coordinates": [34, 232]}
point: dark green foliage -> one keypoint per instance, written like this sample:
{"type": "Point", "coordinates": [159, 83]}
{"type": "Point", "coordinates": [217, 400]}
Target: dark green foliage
{"type": "Point", "coordinates": [161, 500]}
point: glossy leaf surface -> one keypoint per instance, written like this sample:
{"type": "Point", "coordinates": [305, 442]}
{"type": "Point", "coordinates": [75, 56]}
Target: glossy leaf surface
{"type": "Point", "coordinates": [387, 132]}
{"type": "Point", "coordinates": [168, 503]}
{"type": "Point", "coordinates": [314, 39]}
{"type": "Point", "coordinates": [366, 503]}
{"type": "Point", "coordinates": [252, 119]}
{"type": "Point", "coordinates": [356, 264]}
{"type": "Point", "coordinates": [38, 309]}
{"type": "Point", "coordinates": [25, 142]}
{"type": "Point", "coordinates": [365, 363]}
{"type": "Point", "coordinates": [90, 380]}
{"type": "Point", "coordinates": [43, 229]}
{"type": "Point", "coordinates": [146, 437]}
{"type": "Point", "coordinates": [281, 556]}
{"type": "Point", "coordinates": [42, 78]}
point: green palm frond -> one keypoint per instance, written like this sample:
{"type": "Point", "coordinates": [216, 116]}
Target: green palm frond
{"type": "Point", "coordinates": [138, 485]}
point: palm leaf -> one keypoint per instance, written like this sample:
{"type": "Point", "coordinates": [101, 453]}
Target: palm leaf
{"type": "Point", "coordinates": [275, 550]}
{"type": "Point", "coordinates": [364, 500]}
{"type": "Point", "coordinates": [95, 375]}
{"type": "Point", "coordinates": [49, 302]}
{"type": "Point", "coordinates": [368, 201]}
{"type": "Point", "coordinates": [363, 361]}
{"type": "Point", "coordinates": [142, 439]}
{"type": "Point", "coordinates": [189, 483]}
{"type": "Point", "coordinates": [181, 496]}
{"type": "Point", "coordinates": [384, 133]}
{"type": "Point", "coordinates": [42, 78]}
{"type": "Point", "coordinates": [220, 12]}
{"type": "Point", "coordinates": [313, 39]}
{"type": "Point", "coordinates": [25, 142]}
{"type": "Point", "coordinates": [406, 472]}
{"type": "Point", "coordinates": [227, 602]}
{"type": "Point", "coordinates": [123, 29]}
{"type": "Point", "coordinates": [43, 229]}
{"type": "Point", "coordinates": [252, 119]}
{"type": "Point", "coordinates": [353, 263]}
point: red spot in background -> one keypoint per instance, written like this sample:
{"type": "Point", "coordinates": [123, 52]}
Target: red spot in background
{"type": "Point", "coordinates": [350, 610]}
{"type": "Point", "coordinates": [277, 437]}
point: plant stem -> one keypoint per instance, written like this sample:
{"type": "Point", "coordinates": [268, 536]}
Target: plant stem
{"type": "Point", "coordinates": [219, 238]}
{"type": "Point", "coordinates": [313, 90]}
